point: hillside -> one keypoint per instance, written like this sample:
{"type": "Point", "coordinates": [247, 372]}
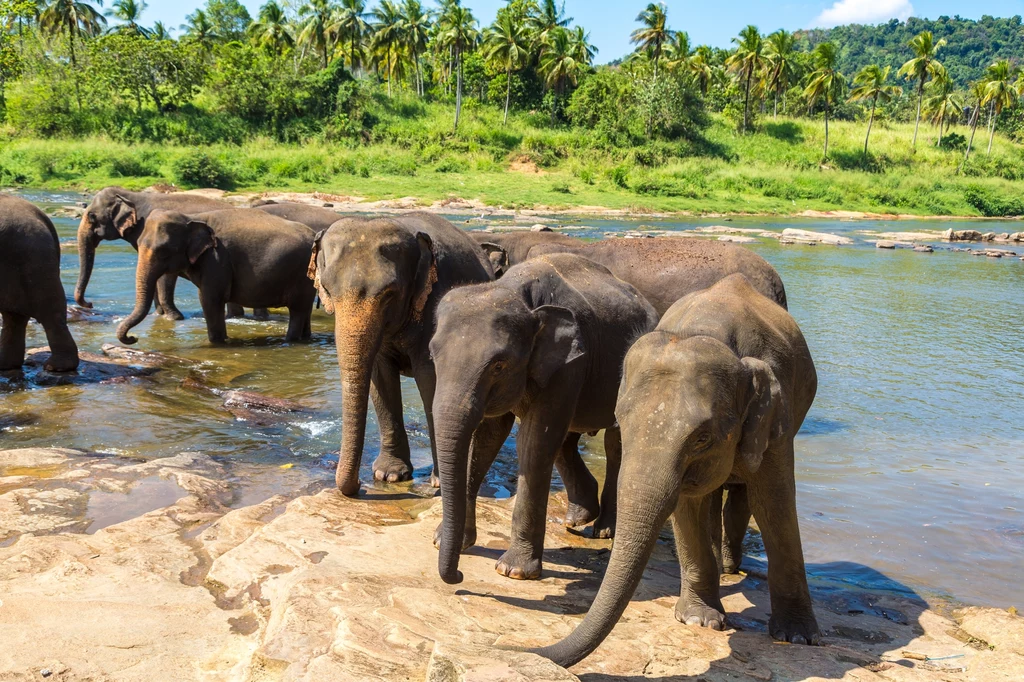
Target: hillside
{"type": "Point", "coordinates": [971, 45]}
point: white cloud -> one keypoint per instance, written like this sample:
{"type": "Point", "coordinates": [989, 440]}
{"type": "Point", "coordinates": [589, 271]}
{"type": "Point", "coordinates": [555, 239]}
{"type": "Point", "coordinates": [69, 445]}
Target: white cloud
{"type": "Point", "coordinates": [863, 12]}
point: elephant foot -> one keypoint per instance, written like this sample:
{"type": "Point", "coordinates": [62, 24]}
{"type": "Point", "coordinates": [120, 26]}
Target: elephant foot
{"type": "Point", "coordinates": [604, 527]}
{"type": "Point", "coordinates": [468, 537]}
{"type": "Point", "coordinates": [61, 363]}
{"type": "Point", "coordinates": [9, 365]}
{"type": "Point", "coordinates": [580, 514]}
{"type": "Point", "coordinates": [694, 611]}
{"type": "Point", "coordinates": [435, 480]}
{"type": "Point", "coordinates": [175, 315]}
{"type": "Point", "coordinates": [795, 629]}
{"type": "Point", "coordinates": [391, 469]}
{"type": "Point", "coordinates": [260, 314]}
{"type": "Point", "coordinates": [518, 566]}
{"type": "Point", "coordinates": [730, 564]}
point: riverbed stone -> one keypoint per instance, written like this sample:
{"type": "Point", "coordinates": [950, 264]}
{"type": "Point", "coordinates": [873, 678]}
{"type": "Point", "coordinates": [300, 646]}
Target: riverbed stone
{"type": "Point", "coordinates": [885, 244]}
{"type": "Point", "coordinates": [924, 248]}
{"type": "Point", "coordinates": [816, 237]}
{"type": "Point", "coordinates": [466, 663]}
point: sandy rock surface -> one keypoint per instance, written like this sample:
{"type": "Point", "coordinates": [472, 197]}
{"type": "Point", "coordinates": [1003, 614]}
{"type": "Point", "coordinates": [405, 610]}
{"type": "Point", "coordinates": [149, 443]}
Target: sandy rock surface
{"type": "Point", "coordinates": [326, 588]}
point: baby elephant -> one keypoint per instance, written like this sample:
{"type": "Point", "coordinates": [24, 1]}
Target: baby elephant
{"type": "Point", "coordinates": [30, 286]}
{"type": "Point", "coordinates": [241, 256]}
{"type": "Point", "coordinates": [545, 343]}
{"type": "Point", "coordinates": [716, 393]}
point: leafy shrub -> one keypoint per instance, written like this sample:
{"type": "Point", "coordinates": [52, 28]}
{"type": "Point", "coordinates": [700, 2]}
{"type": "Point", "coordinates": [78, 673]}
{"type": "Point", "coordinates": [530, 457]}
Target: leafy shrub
{"type": "Point", "coordinates": [991, 205]}
{"type": "Point", "coordinates": [954, 142]}
{"type": "Point", "coordinates": [132, 166]}
{"type": "Point", "coordinates": [451, 165]}
{"type": "Point", "coordinates": [198, 169]}
{"type": "Point", "coordinates": [619, 175]}
{"type": "Point", "coordinates": [561, 188]}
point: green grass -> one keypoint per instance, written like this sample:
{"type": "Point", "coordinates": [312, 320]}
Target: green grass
{"type": "Point", "coordinates": [777, 170]}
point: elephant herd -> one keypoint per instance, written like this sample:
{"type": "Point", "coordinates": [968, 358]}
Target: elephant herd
{"type": "Point", "coordinates": [681, 351]}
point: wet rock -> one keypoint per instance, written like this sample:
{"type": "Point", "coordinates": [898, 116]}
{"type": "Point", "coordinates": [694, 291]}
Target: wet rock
{"type": "Point", "coordinates": [816, 237]}
{"type": "Point", "coordinates": [462, 663]}
{"type": "Point", "coordinates": [79, 314]}
{"type": "Point", "coordinates": [994, 627]}
{"type": "Point", "coordinates": [92, 369]}
{"type": "Point", "coordinates": [924, 249]}
{"type": "Point", "coordinates": [259, 402]}
{"type": "Point", "coordinates": [725, 229]}
{"type": "Point", "coordinates": [988, 237]}
{"type": "Point", "coordinates": [540, 228]}
{"type": "Point", "coordinates": [736, 239]}
{"type": "Point", "coordinates": [885, 244]}
{"type": "Point", "coordinates": [140, 357]}
{"type": "Point", "coordinates": [31, 458]}
{"type": "Point", "coordinates": [952, 235]}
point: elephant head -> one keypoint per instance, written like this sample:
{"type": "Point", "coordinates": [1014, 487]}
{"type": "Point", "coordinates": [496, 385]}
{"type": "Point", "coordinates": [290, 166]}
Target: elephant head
{"type": "Point", "coordinates": [110, 215]}
{"type": "Point", "coordinates": [691, 412]}
{"type": "Point", "coordinates": [170, 242]}
{"type": "Point", "coordinates": [375, 277]}
{"type": "Point", "coordinates": [489, 351]}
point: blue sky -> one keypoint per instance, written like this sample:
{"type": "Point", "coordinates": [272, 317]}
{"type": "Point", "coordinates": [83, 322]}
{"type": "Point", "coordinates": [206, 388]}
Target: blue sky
{"type": "Point", "coordinates": [714, 23]}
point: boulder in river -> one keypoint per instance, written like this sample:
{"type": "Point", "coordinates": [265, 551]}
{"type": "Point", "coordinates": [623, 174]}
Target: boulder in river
{"type": "Point", "coordinates": [924, 248]}
{"type": "Point", "coordinates": [885, 244]}
{"type": "Point", "coordinates": [816, 237]}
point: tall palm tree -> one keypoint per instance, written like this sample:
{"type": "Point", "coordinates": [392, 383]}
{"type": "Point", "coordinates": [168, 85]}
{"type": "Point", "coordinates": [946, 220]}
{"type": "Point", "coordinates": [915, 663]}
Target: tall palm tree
{"type": "Point", "coordinates": [320, 28]}
{"type": "Point", "coordinates": [75, 19]}
{"type": "Point", "coordinates": [547, 18]}
{"type": "Point", "coordinates": [415, 34]}
{"type": "Point", "coordinates": [1000, 92]}
{"type": "Point", "coordinates": [943, 103]}
{"type": "Point", "coordinates": [387, 33]}
{"type": "Point", "coordinates": [507, 46]}
{"type": "Point", "coordinates": [654, 34]}
{"type": "Point", "coordinates": [977, 92]}
{"type": "Point", "coordinates": [921, 67]}
{"type": "Point", "coordinates": [746, 62]}
{"type": "Point", "coordinates": [199, 30]}
{"type": "Point", "coordinates": [351, 24]}
{"type": "Point", "coordinates": [702, 68]}
{"type": "Point", "coordinates": [581, 48]}
{"type": "Point", "coordinates": [872, 83]}
{"type": "Point", "coordinates": [160, 32]}
{"type": "Point", "coordinates": [558, 64]}
{"type": "Point", "coordinates": [271, 30]}
{"type": "Point", "coordinates": [129, 12]}
{"type": "Point", "coordinates": [678, 52]}
{"type": "Point", "coordinates": [460, 34]}
{"type": "Point", "coordinates": [826, 82]}
{"type": "Point", "coordinates": [780, 62]}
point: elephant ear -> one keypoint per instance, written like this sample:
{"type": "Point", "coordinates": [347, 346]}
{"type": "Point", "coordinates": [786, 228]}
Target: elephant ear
{"type": "Point", "coordinates": [766, 413]}
{"type": "Point", "coordinates": [426, 275]}
{"type": "Point", "coordinates": [557, 343]}
{"type": "Point", "coordinates": [125, 217]}
{"type": "Point", "coordinates": [498, 258]}
{"type": "Point", "coordinates": [200, 239]}
{"type": "Point", "coordinates": [313, 272]}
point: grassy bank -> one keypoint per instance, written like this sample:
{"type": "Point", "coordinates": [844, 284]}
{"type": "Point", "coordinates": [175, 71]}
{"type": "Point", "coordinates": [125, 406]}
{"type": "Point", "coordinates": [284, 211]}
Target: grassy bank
{"type": "Point", "coordinates": [777, 169]}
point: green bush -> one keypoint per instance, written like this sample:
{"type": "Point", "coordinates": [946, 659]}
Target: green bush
{"type": "Point", "coordinates": [561, 188]}
{"type": "Point", "coordinates": [198, 169]}
{"type": "Point", "coordinates": [992, 205]}
{"type": "Point", "coordinates": [452, 165]}
{"type": "Point", "coordinates": [132, 166]}
{"type": "Point", "coordinates": [619, 175]}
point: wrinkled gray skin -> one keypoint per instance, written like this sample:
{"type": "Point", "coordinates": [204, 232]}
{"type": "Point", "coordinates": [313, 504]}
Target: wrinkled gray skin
{"type": "Point", "coordinates": [117, 213]}
{"type": "Point", "coordinates": [544, 343]}
{"type": "Point", "coordinates": [240, 255]}
{"type": "Point", "coordinates": [313, 217]}
{"type": "Point", "coordinates": [665, 269]}
{"type": "Point", "coordinates": [382, 278]}
{"type": "Point", "coordinates": [30, 286]}
{"type": "Point", "coordinates": [505, 249]}
{"type": "Point", "coordinates": [717, 393]}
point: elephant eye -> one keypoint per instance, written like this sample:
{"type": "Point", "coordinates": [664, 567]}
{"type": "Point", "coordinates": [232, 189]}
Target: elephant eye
{"type": "Point", "coordinates": [498, 367]}
{"type": "Point", "coordinates": [702, 442]}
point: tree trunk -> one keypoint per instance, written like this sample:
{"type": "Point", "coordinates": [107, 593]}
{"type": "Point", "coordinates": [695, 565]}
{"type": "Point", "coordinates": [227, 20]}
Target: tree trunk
{"type": "Point", "coordinates": [974, 127]}
{"type": "Point", "coordinates": [775, 115]}
{"type": "Point", "coordinates": [826, 129]}
{"type": "Point", "coordinates": [746, 103]}
{"type": "Point", "coordinates": [992, 126]}
{"type": "Point", "coordinates": [871, 121]}
{"type": "Point", "coordinates": [458, 87]}
{"type": "Point", "coordinates": [389, 69]}
{"type": "Point", "coordinates": [920, 100]}
{"type": "Point", "coordinates": [74, 69]}
{"type": "Point", "coordinates": [508, 93]}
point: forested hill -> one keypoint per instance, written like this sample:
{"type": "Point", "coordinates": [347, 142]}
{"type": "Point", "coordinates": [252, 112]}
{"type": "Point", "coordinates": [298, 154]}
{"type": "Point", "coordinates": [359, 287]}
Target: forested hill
{"type": "Point", "coordinates": [971, 45]}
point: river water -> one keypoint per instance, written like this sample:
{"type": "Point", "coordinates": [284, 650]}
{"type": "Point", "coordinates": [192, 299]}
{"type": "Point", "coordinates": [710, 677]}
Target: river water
{"type": "Point", "coordinates": [910, 467]}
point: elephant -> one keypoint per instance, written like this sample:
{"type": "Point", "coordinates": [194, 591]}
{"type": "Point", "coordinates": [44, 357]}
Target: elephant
{"type": "Point", "coordinates": [116, 213]}
{"type": "Point", "coordinates": [30, 286]}
{"type": "Point", "coordinates": [544, 343]}
{"type": "Point", "coordinates": [382, 278]}
{"type": "Point", "coordinates": [313, 217]}
{"type": "Point", "coordinates": [239, 255]}
{"type": "Point", "coordinates": [506, 249]}
{"type": "Point", "coordinates": [715, 394]}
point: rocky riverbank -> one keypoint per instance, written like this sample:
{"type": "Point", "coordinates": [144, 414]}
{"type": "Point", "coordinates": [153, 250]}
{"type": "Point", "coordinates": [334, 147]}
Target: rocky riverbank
{"type": "Point", "coordinates": [323, 588]}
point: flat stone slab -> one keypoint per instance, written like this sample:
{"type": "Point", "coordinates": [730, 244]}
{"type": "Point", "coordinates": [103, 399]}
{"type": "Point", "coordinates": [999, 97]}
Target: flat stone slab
{"type": "Point", "coordinates": [463, 663]}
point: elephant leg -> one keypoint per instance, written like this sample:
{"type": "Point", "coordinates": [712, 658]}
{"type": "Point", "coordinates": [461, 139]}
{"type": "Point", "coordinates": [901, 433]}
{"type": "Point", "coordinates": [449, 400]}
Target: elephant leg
{"type": "Point", "coordinates": [699, 602]}
{"type": "Point", "coordinates": [63, 349]}
{"type": "Point", "coordinates": [234, 311]}
{"type": "Point", "coordinates": [394, 462]}
{"type": "Point", "coordinates": [298, 322]}
{"type": "Point", "coordinates": [12, 341]}
{"type": "Point", "coordinates": [261, 314]}
{"type": "Point", "coordinates": [165, 298]}
{"type": "Point", "coordinates": [541, 434]}
{"type": "Point", "coordinates": [736, 519]}
{"type": "Point", "coordinates": [213, 311]}
{"type": "Point", "coordinates": [604, 526]}
{"type": "Point", "coordinates": [715, 525]}
{"type": "Point", "coordinates": [426, 383]}
{"type": "Point", "coordinates": [580, 484]}
{"type": "Point", "coordinates": [487, 441]}
{"type": "Point", "coordinates": [772, 492]}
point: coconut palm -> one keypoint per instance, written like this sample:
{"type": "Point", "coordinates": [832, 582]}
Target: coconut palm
{"type": "Point", "coordinates": [415, 34]}
{"type": "Point", "coordinates": [826, 82]}
{"type": "Point", "coordinates": [921, 67]}
{"type": "Point", "coordinates": [547, 18]}
{"type": "Point", "coordinates": [581, 48]}
{"type": "Point", "coordinates": [319, 29]}
{"type": "Point", "coordinates": [943, 103]}
{"type": "Point", "coordinates": [1000, 92]}
{"type": "Point", "coordinates": [74, 19]}
{"type": "Point", "coordinates": [351, 26]}
{"type": "Point", "coordinates": [654, 34]}
{"type": "Point", "coordinates": [459, 33]}
{"type": "Point", "coordinates": [199, 30]}
{"type": "Point", "coordinates": [558, 64]}
{"type": "Point", "coordinates": [387, 34]}
{"type": "Point", "coordinates": [746, 62]}
{"type": "Point", "coordinates": [702, 68]}
{"type": "Point", "coordinates": [129, 12]}
{"type": "Point", "coordinates": [507, 46]}
{"type": "Point", "coordinates": [780, 64]}
{"type": "Point", "coordinates": [977, 93]}
{"type": "Point", "coordinates": [872, 83]}
{"type": "Point", "coordinates": [271, 30]}
{"type": "Point", "coordinates": [678, 52]}
{"type": "Point", "coordinates": [160, 32]}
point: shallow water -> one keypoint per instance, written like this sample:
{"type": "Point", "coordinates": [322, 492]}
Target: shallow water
{"type": "Point", "coordinates": [910, 466]}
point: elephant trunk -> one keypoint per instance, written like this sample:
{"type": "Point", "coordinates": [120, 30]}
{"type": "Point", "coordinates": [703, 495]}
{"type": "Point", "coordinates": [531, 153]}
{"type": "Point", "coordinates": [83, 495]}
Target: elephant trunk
{"type": "Point", "coordinates": [358, 338]}
{"type": "Point", "coordinates": [87, 241]}
{"type": "Point", "coordinates": [454, 425]}
{"type": "Point", "coordinates": [145, 290]}
{"type": "Point", "coordinates": [643, 509]}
